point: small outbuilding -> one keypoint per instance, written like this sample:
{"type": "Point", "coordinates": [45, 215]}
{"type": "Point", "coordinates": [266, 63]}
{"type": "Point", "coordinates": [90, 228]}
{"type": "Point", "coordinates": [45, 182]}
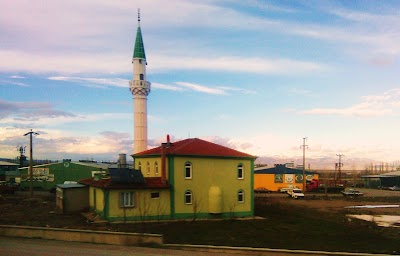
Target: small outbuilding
{"type": "Point", "coordinates": [8, 171]}
{"type": "Point", "coordinates": [72, 198]}
{"type": "Point", "coordinates": [281, 176]}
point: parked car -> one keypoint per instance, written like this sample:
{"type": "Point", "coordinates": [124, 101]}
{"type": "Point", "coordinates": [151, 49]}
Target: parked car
{"type": "Point", "coordinates": [287, 189]}
{"type": "Point", "coordinates": [394, 188]}
{"type": "Point", "coordinates": [296, 193]}
{"type": "Point", "coordinates": [352, 192]}
{"type": "Point", "coordinates": [262, 190]}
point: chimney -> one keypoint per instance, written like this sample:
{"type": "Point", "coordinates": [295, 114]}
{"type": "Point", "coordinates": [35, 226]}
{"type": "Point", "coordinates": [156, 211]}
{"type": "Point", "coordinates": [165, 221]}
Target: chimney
{"type": "Point", "coordinates": [164, 149]}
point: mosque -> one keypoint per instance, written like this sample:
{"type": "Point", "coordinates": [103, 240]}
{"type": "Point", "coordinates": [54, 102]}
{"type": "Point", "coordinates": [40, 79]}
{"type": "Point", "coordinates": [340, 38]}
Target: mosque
{"type": "Point", "coordinates": [191, 178]}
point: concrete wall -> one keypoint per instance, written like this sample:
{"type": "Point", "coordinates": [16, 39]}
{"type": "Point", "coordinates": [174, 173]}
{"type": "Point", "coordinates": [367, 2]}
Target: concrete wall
{"type": "Point", "coordinates": [88, 236]}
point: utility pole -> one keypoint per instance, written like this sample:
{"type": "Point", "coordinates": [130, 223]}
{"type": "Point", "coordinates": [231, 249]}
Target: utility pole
{"type": "Point", "coordinates": [30, 162]}
{"type": "Point", "coordinates": [339, 165]}
{"type": "Point", "coordinates": [304, 146]}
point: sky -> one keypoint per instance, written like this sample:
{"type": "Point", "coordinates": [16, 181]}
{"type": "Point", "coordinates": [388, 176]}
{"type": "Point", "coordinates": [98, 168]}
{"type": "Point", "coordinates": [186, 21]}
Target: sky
{"type": "Point", "coordinates": [256, 76]}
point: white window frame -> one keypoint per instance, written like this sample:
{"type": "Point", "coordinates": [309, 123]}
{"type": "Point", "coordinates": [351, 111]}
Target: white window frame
{"type": "Point", "coordinates": [140, 166]}
{"type": "Point", "coordinates": [127, 199]}
{"type": "Point", "coordinates": [188, 166]}
{"type": "Point", "coordinates": [240, 172]}
{"type": "Point", "coordinates": [188, 194]}
{"type": "Point", "coordinates": [148, 168]}
{"type": "Point", "coordinates": [156, 168]}
{"type": "Point", "coordinates": [240, 194]}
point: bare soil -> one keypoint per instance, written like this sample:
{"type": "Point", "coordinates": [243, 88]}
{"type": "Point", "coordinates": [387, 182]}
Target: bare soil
{"type": "Point", "coordinates": [317, 222]}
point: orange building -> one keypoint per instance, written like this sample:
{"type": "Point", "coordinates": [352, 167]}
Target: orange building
{"type": "Point", "coordinates": [281, 176]}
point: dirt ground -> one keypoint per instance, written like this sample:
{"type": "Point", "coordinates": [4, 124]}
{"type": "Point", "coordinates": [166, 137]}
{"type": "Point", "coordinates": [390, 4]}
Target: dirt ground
{"type": "Point", "coordinates": [337, 202]}
{"type": "Point", "coordinates": [19, 209]}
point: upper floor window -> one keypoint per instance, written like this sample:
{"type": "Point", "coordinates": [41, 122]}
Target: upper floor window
{"type": "Point", "coordinates": [140, 166]}
{"type": "Point", "coordinates": [156, 168]}
{"type": "Point", "coordinates": [140, 61]}
{"type": "Point", "coordinates": [240, 171]}
{"type": "Point", "coordinates": [240, 196]}
{"type": "Point", "coordinates": [188, 170]}
{"type": "Point", "coordinates": [188, 197]}
{"type": "Point", "coordinates": [126, 199]}
{"type": "Point", "coordinates": [141, 77]}
{"type": "Point", "coordinates": [148, 168]}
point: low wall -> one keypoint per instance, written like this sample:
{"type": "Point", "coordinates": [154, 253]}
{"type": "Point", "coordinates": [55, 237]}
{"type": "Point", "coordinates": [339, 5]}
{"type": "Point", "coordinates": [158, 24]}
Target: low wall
{"type": "Point", "coordinates": [76, 235]}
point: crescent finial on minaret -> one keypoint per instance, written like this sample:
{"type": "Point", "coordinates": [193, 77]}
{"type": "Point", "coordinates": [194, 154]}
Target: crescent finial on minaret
{"type": "Point", "coordinates": [138, 15]}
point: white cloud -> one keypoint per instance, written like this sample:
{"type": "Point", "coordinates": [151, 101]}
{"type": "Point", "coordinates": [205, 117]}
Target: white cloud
{"type": "Point", "coordinates": [236, 64]}
{"type": "Point", "coordinates": [201, 88]}
{"type": "Point", "coordinates": [10, 82]}
{"type": "Point", "coordinates": [87, 81]}
{"type": "Point", "coordinates": [371, 106]}
{"type": "Point", "coordinates": [166, 87]}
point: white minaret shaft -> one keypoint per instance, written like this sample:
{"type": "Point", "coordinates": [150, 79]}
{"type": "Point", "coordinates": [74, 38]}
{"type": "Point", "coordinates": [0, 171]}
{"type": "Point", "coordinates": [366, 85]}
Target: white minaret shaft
{"type": "Point", "coordinates": [139, 88]}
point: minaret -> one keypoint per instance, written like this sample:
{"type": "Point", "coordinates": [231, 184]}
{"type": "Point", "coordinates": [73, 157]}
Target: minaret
{"type": "Point", "coordinates": [139, 88]}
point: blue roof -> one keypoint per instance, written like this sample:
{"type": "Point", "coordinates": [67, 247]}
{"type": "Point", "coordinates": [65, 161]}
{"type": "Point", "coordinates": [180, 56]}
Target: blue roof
{"type": "Point", "coordinates": [282, 169]}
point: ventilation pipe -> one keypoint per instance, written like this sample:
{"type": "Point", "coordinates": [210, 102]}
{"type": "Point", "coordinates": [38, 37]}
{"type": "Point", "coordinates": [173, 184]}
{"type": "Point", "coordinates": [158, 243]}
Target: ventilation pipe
{"type": "Point", "coordinates": [122, 161]}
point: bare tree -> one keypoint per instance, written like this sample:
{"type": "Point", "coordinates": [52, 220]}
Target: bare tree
{"type": "Point", "coordinates": [160, 211]}
{"type": "Point", "coordinates": [196, 207]}
{"type": "Point", "coordinates": [143, 206]}
{"type": "Point", "coordinates": [232, 209]}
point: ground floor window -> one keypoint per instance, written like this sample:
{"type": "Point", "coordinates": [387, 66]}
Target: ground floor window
{"type": "Point", "coordinates": [126, 199]}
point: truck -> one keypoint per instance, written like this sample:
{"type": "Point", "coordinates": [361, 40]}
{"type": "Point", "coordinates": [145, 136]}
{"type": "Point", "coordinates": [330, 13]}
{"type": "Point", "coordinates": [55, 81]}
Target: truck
{"type": "Point", "coordinates": [296, 193]}
{"type": "Point", "coordinates": [330, 186]}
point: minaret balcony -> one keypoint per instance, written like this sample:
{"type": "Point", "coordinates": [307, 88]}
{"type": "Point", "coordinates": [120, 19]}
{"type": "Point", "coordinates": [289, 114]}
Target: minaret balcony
{"type": "Point", "coordinates": [140, 87]}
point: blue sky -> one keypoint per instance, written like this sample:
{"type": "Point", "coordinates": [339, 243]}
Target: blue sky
{"type": "Point", "coordinates": [257, 76]}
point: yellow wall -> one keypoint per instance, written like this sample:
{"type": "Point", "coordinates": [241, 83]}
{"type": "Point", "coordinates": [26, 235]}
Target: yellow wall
{"type": "Point", "coordinates": [151, 161]}
{"type": "Point", "coordinates": [268, 181]}
{"type": "Point", "coordinates": [208, 172]}
{"type": "Point", "coordinates": [99, 204]}
{"type": "Point", "coordinates": [144, 205]}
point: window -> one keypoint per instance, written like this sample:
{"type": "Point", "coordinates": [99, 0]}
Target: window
{"type": "Point", "coordinates": [240, 196]}
{"type": "Point", "coordinates": [156, 168]}
{"type": "Point", "coordinates": [154, 195]}
{"type": "Point", "coordinates": [188, 170]}
{"type": "Point", "coordinates": [240, 171]}
{"type": "Point", "coordinates": [126, 199]}
{"type": "Point", "coordinates": [139, 166]}
{"type": "Point", "coordinates": [141, 77]}
{"type": "Point", "coordinates": [140, 61]}
{"type": "Point", "coordinates": [188, 197]}
{"type": "Point", "coordinates": [148, 168]}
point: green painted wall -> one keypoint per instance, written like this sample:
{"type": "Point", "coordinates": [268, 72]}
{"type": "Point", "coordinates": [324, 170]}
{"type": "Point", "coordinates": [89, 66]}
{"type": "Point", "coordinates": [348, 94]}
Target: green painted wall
{"type": "Point", "coordinates": [56, 174]}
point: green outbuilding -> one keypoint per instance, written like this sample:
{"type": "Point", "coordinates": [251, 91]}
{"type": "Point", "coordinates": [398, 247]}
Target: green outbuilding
{"type": "Point", "coordinates": [47, 176]}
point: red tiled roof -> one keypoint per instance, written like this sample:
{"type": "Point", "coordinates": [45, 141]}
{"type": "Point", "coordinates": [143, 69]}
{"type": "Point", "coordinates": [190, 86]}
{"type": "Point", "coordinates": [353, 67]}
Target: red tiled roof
{"type": "Point", "coordinates": [196, 147]}
{"type": "Point", "coordinates": [150, 183]}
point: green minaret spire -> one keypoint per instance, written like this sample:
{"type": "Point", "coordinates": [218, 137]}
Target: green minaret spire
{"type": "Point", "coordinates": [138, 51]}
